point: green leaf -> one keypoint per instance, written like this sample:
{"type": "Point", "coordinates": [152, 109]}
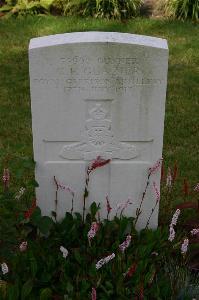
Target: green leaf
{"type": "Point", "coordinates": [33, 183]}
{"type": "Point", "coordinates": [46, 3]}
{"type": "Point", "coordinates": [45, 224]}
{"type": "Point", "coordinates": [78, 256]}
{"type": "Point", "coordinates": [46, 294]}
{"type": "Point", "coordinates": [68, 218]}
{"type": "Point", "coordinates": [46, 277]}
{"type": "Point", "coordinates": [85, 285]}
{"type": "Point", "coordinates": [13, 292]}
{"type": "Point", "coordinates": [33, 266]}
{"type": "Point", "coordinates": [36, 216]}
{"type": "Point", "coordinates": [78, 217]}
{"type": "Point", "coordinates": [19, 173]}
{"type": "Point", "coordinates": [94, 208]}
{"type": "Point", "coordinates": [26, 289]}
{"type": "Point", "coordinates": [69, 287]}
{"type": "Point", "coordinates": [93, 271]}
{"type": "Point", "coordinates": [28, 163]}
{"type": "Point", "coordinates": [5, 8]}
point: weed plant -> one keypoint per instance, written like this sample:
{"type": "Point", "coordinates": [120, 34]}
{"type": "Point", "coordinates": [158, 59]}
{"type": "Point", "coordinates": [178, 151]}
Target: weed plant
{"type": "Point", "coordinates": [182, 9]}
{"type": "Point", "coordinates": [109, 9]}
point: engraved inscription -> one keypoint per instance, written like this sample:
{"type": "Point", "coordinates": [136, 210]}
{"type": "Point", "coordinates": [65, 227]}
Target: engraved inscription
{"type": "Point", "coordinates": [117, 83]}
{"type": "Point", "coordinates": [108, 74]}
{"type": "Point", "coordinates": [108, 84]}
{"type": "Point", "coordinates": [98, 139]}
{"type": "Point", "coordinates": [54, 82]}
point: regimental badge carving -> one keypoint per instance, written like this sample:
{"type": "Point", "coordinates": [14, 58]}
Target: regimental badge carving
{"type": "Point", "coordinates": [98, 140]}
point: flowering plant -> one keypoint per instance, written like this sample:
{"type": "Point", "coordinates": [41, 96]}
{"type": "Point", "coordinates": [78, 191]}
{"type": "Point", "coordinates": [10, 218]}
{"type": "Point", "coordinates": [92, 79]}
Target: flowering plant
{"type": "Point", "coordinates": [82, 257]}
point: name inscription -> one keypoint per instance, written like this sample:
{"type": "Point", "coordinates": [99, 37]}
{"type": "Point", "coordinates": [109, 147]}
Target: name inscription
{"type": "Point", "coordinates": [80, 73]}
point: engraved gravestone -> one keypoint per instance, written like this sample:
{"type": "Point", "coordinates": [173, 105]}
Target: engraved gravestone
{"type": "Point", "coordinates": [97, 94]}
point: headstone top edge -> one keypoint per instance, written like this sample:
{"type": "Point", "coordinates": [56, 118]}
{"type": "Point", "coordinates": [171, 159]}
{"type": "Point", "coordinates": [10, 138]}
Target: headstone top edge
{"type": "Point", "coordinates": [97, 37]}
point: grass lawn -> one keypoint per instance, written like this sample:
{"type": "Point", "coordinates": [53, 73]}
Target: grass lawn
{"type": "Point", "coordinates": [181, 136]}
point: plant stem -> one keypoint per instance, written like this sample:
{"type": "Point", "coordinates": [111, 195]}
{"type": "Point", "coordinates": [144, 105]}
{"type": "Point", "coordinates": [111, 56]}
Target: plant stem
{"type": "Point", "coordinates": [138, 212]}
{"type": "Point", "coordinates": [152, 211]}
{"type": "Point", "coordinates": [56, 197]}
{"type": "Point", "coordinates": [85, 196]}
{"type": "Point", "coordinates": [72, 205]}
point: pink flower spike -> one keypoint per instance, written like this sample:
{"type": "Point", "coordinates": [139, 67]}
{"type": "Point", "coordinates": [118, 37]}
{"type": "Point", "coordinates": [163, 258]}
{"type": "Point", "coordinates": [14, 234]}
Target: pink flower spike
{"type": "Point", "coordinates": [171, 233]}
{"type": "Point", "coordinates": [64, 251]}
{"type": "Point", "coordinates": [175, 217]}
{"type": "Point", "coordinates": [23, 246]}
{"type": "Point", "coordinates": [104, 261]}
{"type": "Point", "coordinates": [194, 231]}
{"type": "Point", "coordinates": [156, 167]}
{"type": "Point", "coordinates": [4, 268]}
{"type": "Point", "coordinates": [125, 244]}
{"type": "Point", "coordinates": [93, 230]}
{"type": "Point", "coordinates": [196, 189]}
{"type": "Point", "coordinates": [157, 192]}
{"type": "Point", "coordinates": [184, 246]}
{"type": "Point", "coordinates": [97, 163]}
{"type": "Point", "coordinates": [94, 294]}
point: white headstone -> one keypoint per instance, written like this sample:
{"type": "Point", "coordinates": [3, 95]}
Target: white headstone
{"type": "Point", "coordinates": [97, 94]}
